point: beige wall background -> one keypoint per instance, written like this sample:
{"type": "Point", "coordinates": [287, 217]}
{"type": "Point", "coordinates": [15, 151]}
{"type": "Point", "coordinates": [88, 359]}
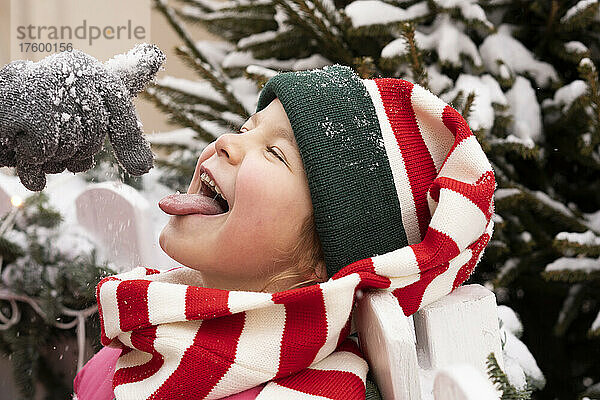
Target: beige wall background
{"type": "Point", "coordinates": [161, 33]}
{"type": "Point", "coordinates": [166, 38]}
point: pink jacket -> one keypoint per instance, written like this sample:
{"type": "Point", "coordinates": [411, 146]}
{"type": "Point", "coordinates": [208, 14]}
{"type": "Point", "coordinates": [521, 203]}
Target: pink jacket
{"type": "Point", "coordinates": [94, 380]}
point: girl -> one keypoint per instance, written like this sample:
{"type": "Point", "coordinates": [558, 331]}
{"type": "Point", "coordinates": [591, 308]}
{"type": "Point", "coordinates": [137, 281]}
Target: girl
{"type": "Point", "coordinates": [335, 186]}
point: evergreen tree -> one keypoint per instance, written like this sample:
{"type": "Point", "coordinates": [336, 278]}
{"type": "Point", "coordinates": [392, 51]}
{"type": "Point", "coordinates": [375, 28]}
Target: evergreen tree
{"type": "Point", "coordinates": [523, 74]}
{"type": "Point", "coordinates": [499, 378]}
{"type": "Point", "coordinates": [45, 269]}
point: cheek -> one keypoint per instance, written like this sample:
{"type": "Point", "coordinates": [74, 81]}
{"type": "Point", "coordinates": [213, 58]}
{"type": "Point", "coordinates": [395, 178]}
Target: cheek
{"type": "Point", "coordinates": [269, 210]}
{"type": "Point", "coordinates": [264, 196]}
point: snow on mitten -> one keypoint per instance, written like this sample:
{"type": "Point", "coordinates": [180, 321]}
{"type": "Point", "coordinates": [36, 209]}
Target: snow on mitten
{"type": "Point", "coordinates": [55, 113]}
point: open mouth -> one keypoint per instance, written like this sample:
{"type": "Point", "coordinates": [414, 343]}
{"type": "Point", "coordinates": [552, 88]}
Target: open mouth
{"type": "Point", "coordinates": [209, 192]}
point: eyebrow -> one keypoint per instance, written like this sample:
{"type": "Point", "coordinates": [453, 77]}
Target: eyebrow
{"type": "Point", "coordinates": [283, 133]}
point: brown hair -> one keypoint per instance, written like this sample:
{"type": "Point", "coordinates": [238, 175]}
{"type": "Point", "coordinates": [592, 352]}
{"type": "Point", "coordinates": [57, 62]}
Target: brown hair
{"type": "Point", "coordinates": [305, 258]}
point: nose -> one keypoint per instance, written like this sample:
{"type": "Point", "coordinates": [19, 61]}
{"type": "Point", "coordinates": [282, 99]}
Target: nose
{"type": "Point", "coordinates": [228, 145]}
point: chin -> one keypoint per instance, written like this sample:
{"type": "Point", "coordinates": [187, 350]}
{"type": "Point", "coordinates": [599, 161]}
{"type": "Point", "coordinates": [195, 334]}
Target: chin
{"type": "Point", "coordinates": [176, 248]}
{"type": "Point", "coordinates": [166, 242]}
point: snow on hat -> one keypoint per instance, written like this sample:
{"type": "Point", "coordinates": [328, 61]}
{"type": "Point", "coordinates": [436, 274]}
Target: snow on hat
{"type": "Point", "coordinates": [392, 170]}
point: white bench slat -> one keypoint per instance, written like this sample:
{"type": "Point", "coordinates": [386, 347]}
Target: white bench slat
{"type": "Point", "coordinates": [387, 340]}
{"type": "Point", "coordinates": [460, 327]}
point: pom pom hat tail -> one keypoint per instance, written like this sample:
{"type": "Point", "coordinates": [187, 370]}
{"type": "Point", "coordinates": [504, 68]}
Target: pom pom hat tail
{"type": "Point", "coordinates": [400, 187]}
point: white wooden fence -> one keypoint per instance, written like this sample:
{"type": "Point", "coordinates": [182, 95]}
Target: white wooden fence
{"type": "Point", "coordinates": [438, 353]}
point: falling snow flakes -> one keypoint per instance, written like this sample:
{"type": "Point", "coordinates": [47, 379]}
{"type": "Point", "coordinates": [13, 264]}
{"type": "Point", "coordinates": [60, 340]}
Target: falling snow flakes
{"type": "Point", "coordinates": [502, 49]}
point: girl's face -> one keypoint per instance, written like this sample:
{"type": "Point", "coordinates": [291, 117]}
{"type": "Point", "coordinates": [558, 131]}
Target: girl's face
{"type": "Point", "coordinates": [260, 173]}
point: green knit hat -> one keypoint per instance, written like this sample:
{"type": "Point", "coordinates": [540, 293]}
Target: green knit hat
{"type": "Point", "coordinates": [371, 149]}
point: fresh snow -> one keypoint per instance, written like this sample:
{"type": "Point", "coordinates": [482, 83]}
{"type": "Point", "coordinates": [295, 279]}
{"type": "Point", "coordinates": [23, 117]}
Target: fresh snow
{"type": "Point", "coordinates": [214, 51]}
{"type": "Point", "coordinates": [506, 192]}
{"type": "Point", "coordinates": [519, 362]}
{"type": "Point", "coordinates": [576, 9]}
{"type": "Point", "coordinates": [374, 12]}
{"type": "Point", "coordinates": [525, 109]}
{"type": "Point", "coordinates": [566, 95]}
{"type": "Point", "coordinates": [469, 9]}
{"type": "Point", "coordinates": [593, 220]}
{"type": "Point", "coordinates": [586, 62]}
{"type": "Point", "coordinates": [311, 62]}
{"type": "Point", "coordinates": [525, 236]}
{"type": "Point", "coordinates": [202, 89]}
{"type": "Point", "coordinates": [582, 264]}
{"type": "Point", "coordinates": [241, 59]}
{"type": "Point", "coordinates": [487, 92]}
{"type": "Point", "coordinates": [257, 38]}
{"type": "Point", "coordinates": [503, 47]}
{"type": "Point", "coordinates": [526, 142]}
{"type": "Point", "coordinates": [122, 62]}
{"type": "Point", "coordinates": [596, 324]}
{"type": "Point", "coordinates": [558, 206]}
{"type": "Point", "coordinates": [438, 82]}
{"type": "Point", "coordinates": [258, 70]}
{"type": "Point", "coordinates": [246, 92]}
{"type": "Point", "coordinates": [395, 48]}
{"type": "Point", "coordinates": [510, 320]}
{"type": "Point", "coordinates": [508, 266]}
{"type": "Point", "coordinates": [587, 238]}
{"type": "Point", "coordinates": [575, 47]}
{"type": "Point", "coordinates": [448, 40]}
{"type": "Point", "coordinates": [181, 137]}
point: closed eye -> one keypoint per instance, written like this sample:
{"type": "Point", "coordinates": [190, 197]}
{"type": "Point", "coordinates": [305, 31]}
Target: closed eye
{"type": "Point", "coordinates": [276, 154]}
{"type": "Point", "coordinates": [269, 148]}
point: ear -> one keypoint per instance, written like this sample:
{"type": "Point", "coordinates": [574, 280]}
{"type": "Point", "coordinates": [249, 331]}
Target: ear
{"type": "Point", "coordinates": [319, 274]}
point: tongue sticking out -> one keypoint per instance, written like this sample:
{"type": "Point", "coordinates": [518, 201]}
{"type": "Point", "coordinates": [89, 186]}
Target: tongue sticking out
{"type": "Point", "coordinates": [183, 204]}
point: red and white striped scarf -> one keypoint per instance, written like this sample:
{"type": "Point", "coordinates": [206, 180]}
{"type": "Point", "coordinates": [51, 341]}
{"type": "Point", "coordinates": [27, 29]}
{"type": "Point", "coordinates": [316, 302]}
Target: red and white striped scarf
{"type": "Point", "coordinates": [184, 341]}
{"type": "Point", "coordinates": [190, 342]}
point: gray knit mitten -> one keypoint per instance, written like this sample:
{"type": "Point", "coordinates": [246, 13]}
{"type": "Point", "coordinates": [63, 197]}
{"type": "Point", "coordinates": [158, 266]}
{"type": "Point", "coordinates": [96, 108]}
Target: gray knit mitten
{"type": "Point", "coordinates": [55, 113]}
